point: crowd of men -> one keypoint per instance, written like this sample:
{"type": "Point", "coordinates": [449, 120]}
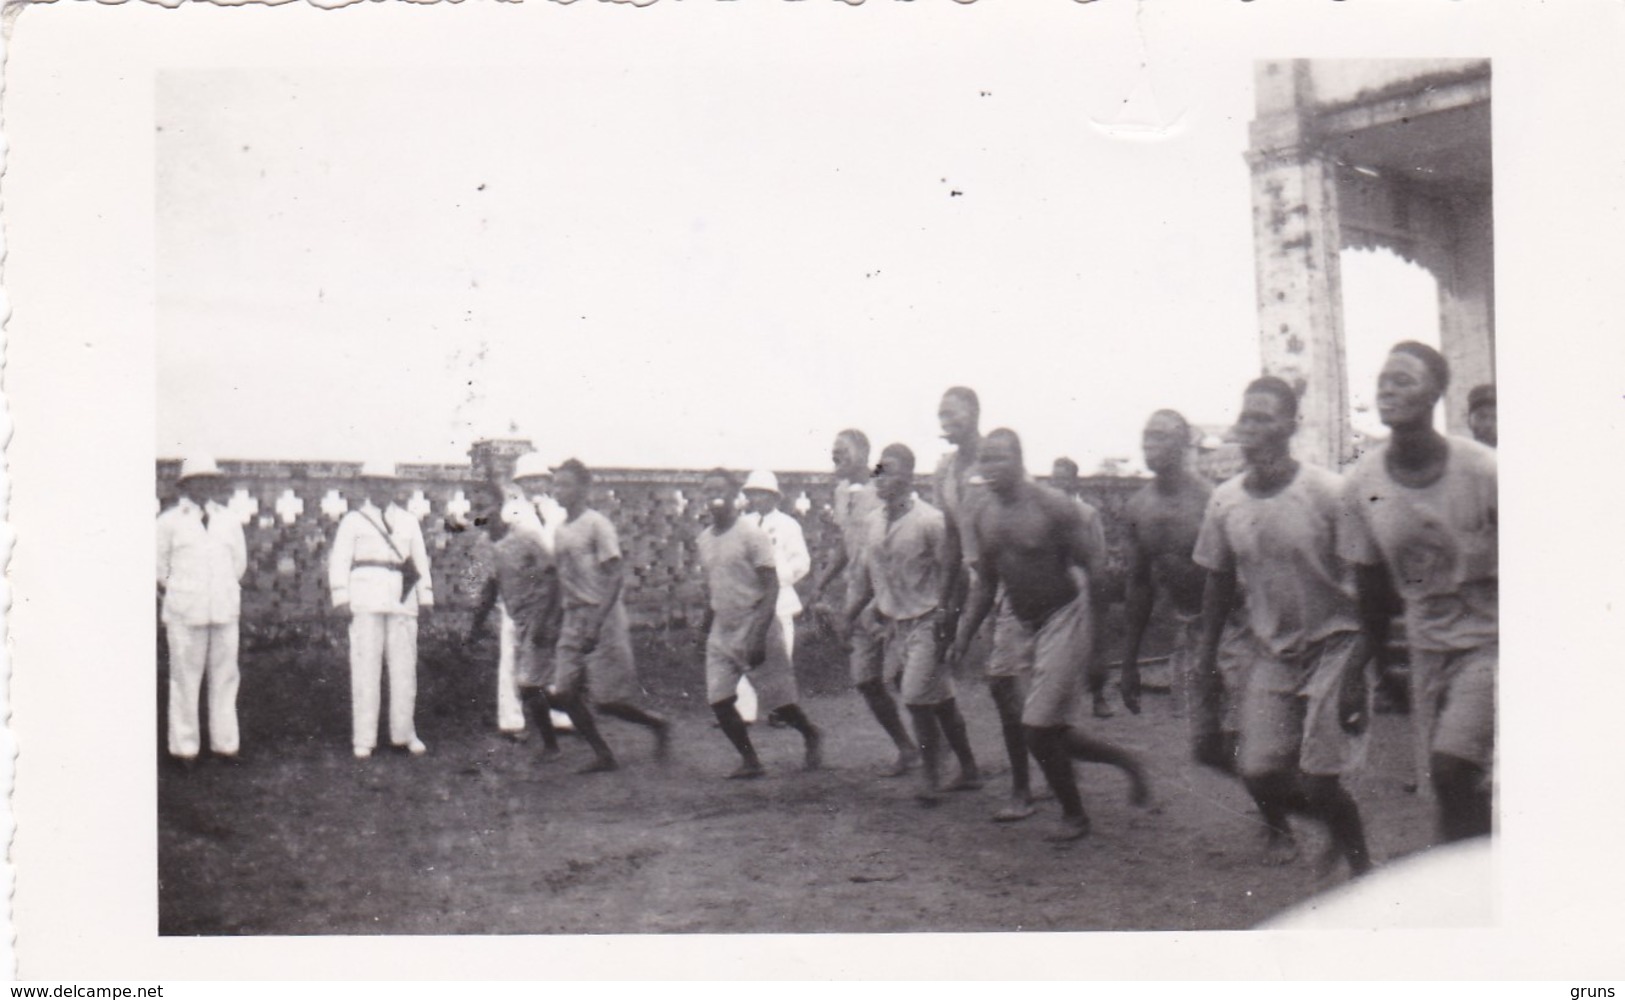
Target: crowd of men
{"type": "Point", "coordinates": [1282, 584]}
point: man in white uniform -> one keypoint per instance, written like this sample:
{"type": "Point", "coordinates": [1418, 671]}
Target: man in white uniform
{"type": "Point", "coordinates": [762, 499]}
{"type": "Point", "coordinates": [379, 569]}
{"type": "Point", "coordinates": [201, 561]}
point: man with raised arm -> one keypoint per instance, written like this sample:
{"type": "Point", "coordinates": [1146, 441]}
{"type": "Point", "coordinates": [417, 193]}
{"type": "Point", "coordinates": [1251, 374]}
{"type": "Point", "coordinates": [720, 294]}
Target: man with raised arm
{"type": "Point", "coordinates": [1034, 544]}
{"type": "Point", "coordinates": [904, 561]}
{"type": "Point", "coordinates": [594, 655]}
{"type": "Point", "coordinates": [1276, 529]}
{"type": "Point", "coordinates": [855, 500]}
{"type": "Point", "coordinates": [1425, 521]}
{"type": "Point", "coordinates": [742, 625]}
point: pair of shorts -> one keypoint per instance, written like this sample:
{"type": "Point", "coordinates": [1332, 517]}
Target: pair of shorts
{"type": "Point", "coordinates": [1289, 710]}
{"type": "Point", "coordinates": [1456, 710]}
{"type": "Point", "coordinates": [606, 674]}
{"type": "Point", "coordinates": [911, 652]}
{"type": "Point", "coordinates": [868, 647]}
{"type": "Point", "coordinates": [1012, 654]}
{"type": "Point", "coordinates": [1062, 645]}
{"type": "Point", "coordinates": [774, 681]}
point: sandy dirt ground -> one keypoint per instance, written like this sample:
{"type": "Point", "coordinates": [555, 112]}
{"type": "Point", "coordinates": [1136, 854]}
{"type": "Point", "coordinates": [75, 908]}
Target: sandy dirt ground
{"type": "Point", "coordinates": [481, 837]}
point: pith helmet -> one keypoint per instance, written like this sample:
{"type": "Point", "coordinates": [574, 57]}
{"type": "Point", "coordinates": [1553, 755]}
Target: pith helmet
{"type": "Point", "coordinates": [198, 465]}
{"type": "Point", "coordinates": [531, 465]}
{"type": "Point", "coordinates": [762, 480]}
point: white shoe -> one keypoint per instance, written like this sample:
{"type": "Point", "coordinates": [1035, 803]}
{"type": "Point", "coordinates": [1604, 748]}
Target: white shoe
{"type": "Point", "coordinates": [416, 747]}
{"type": "Point", "coordinates": [362, 753]}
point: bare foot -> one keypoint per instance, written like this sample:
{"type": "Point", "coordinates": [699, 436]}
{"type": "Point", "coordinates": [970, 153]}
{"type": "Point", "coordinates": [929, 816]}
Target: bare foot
{"type": "Point", "coordinates": [1018, 810]}
{"type": "Point", "coordinates": [969, 780]}
{"type": "Point", "coordinates": [602, 765]}
{"type": "Point", "coordinates": [1280, 848]}
{"type": "Point", "coordinates": [907, 760]}
{"type": "Point", "coordinates": [746, 771]}
{"type": "Point", "coordinates": [1071, 828]}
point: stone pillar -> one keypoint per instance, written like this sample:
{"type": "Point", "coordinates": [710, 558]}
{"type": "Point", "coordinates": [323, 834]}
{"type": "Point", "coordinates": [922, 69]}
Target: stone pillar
{"type": "Point", "coordinates": [1297, 241]}
{"type": "Point", "coordinates": [493, 459]}
{"type": "Point", "coordinates": [1467, 306]}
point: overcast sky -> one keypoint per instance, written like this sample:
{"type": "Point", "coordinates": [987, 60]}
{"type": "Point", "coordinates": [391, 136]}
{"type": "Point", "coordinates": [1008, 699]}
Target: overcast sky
{"type": "Point", "coordinates": [697, 254]}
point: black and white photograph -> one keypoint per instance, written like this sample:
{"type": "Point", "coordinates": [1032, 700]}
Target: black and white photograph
{"type": "Point", "coordinates": [644, 474]}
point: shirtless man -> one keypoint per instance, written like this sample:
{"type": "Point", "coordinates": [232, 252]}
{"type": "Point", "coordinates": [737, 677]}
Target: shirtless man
{"type": "Point", "coordinates": [1425, 519]}
{"type": "Point", "coordinates": [855, 500]}
{"type": "Point", "coordinates": [958, 491]}
{"type": "Point", "coordinates": [1163, 520]}
{"type": "Point", "coordinates": [1275, 531]}
{"type": "Point", "coordinates": [1034, 543]}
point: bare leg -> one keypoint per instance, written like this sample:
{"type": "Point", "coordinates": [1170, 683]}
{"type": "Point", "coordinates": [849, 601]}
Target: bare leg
{"type": "Point", "coordinates": [796, 719]}
{"type": "Point", "coordinates": [884, 708]}
{"type": "Point", "coordinates": [1464, 803]}
{"type": "Point", "coordinates": [654, 723]}
{"type": "Point", "coordinates": [733, 727]}
{"type": "Point", "coordinates": [1084, 747]}
{"type": "Point", "coordinates": [1049, 748]}
{"type": "Point", "coordinates": [928, 733]}
{"type": "Point", "coordinates": [953, 727]}
{"type": "Point", "coordinates": [581, 717]}
{"type": "Point", "coordinates": [1006, 693]}
{"type": "Point", "coordinates": [1331, 803]}
{"type": "Point", "coordinates": [541, 712]}
{"type": "Point", "coordinates": [1277, 795]}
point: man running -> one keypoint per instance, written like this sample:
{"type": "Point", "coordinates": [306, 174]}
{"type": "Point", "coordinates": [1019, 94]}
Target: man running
{"type": "Point", "coordinates": [524, 583]}
{"type": "Point", "coordinates": [742, 627]}
{"type": "Point", "coordinates": [594, 655]}
{"type": "Point", "coordinates": [901, 577]}
{"type": "Point", "coordinates": [855, 500]}
{"type": "Point", "coordinates": [1064, 478]}
{"type": "Point", "coordinates": [1425, 522]}
{"type": "Point", "coordinates": [1304, 713]}
{"type": "Point", "coordinates": [1035, 545]}
{"type": "Point", "coordinates": [1163, 519]}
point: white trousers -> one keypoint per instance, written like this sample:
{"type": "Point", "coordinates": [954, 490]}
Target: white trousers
{"type": "Point", "coordinates": [196, 650]}
{"type": "Point", "coordinates": [377, 638]}
{"type": "Point", "coordinates": [510, 710]}
{"type": "Point", "coordinates": [510, 713]}
{"type": "Point", "coordinates": [748, 704]}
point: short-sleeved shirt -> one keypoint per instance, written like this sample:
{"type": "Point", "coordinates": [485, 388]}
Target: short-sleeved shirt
{"type": "Point", "coordinates": [731, 560]}
{"type": "Point", "coordinates": [526, 580]}
{"type": "Point", "coordinates": [1284, 549]}
{"type": "Point", "coordinates": [854, 502]}
{"type": "Point", "coordinates": [904, 559]}
{"type": "Point", "coordinates": [582, 547]}
{"type": "Point", "coordinates": [1440, 543]}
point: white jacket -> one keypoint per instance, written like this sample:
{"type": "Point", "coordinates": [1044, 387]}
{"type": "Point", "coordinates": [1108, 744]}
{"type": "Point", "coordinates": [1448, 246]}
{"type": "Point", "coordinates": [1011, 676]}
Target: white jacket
{"type": "Point", "coordinates": [201, 568]}
{"type": "Point", "coordinates": [355, 569]}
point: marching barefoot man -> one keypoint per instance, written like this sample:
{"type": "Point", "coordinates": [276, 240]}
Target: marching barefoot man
{"type": "Point", "coordinates": [1034, 543]}
{"type": "Point", "coordinates": [742, 625]}
{"type": "Point", "coordinates": [1426, 522]}
{"type": "Point", "coordinates": [1163, 518]}
{"type": "Point", "coordinates": [855, 501]}
{"type": "Point", "coordinates": [904, 561]}
{"type": "Point", "coordinates": [594, 655]}
{"type": "Point", "coordinates": [1064, 477]}
{"type": "Point", "coordinates": [957, 492]}
{"type": "Point", "coordinates": [1304, 713]}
